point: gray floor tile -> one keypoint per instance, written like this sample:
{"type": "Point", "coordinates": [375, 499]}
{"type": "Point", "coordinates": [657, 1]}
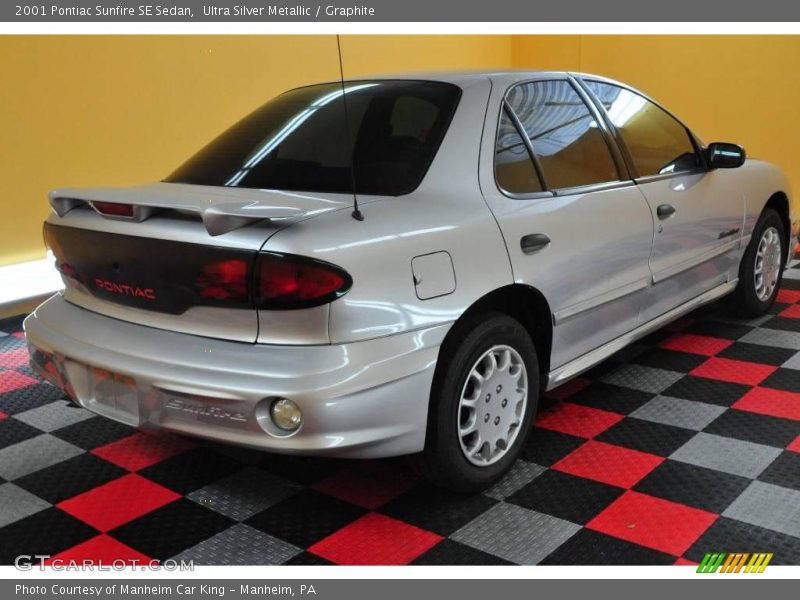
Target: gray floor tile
{"type": "Point", "coordinates": [34, 454]}
{"type": "Point", "coordinates": [54, 416]}
{"type": "Point", "coordinates": [726, 454]}
{"type": "Point", "coordinates": [516, 534]}
{"type": "Point", "coordinates": [16, 504]}
{"type": "Point", "coordinates": [770, 506]}
{"type": "Point", "coordinates": [791, 274]}
{"type": "Point", "coordinates": [244, 493]}
{"type": "Point", "coordinates": [679, 412]}
{"type": "Point", "coordinates": [640, 377]}
{"type": "Point", "coordinates": [521, 474]}
{"type": "Point", "coordinates": [240, 545]}
{"type": "Point", "coordinates": [773, 337]}
{"type": "Point", "coordinates": [792, 363]}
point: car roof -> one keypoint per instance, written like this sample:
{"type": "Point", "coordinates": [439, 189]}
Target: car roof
{"type": "Point", "coordinates": [462, 77]}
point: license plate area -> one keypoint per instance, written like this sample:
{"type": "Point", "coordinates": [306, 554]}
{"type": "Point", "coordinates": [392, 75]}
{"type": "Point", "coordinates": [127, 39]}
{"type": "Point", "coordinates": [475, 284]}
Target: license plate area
{"type": "Point", "coordinates": [108, 394]}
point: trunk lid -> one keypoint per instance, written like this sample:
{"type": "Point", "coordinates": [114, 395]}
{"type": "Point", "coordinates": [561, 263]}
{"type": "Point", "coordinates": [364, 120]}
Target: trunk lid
{"type": "Point", "coordinates": [182, 260]}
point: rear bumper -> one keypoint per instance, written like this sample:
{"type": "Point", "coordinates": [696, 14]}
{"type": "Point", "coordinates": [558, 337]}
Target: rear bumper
{"type": "Point", "coordinates": [362, 400]}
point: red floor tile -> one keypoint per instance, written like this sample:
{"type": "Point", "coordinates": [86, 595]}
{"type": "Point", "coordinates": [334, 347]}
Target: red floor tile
{"type": "Point", "coordinates": [733, 371]}
{"type": "Point", "coordinates": [12, 359]}
{"type": "Point", "coordinates": [696, 344]}
{"type": "Point", "coordinates": [793, 312]}
{"type": "Point", "coordinates": [685, 562]}
{"type": "Point", "coordinates": [369, 486]}
{"type": "Point", "coordinates": [100, 550]}
{"type": "Point", "coordinates": [3, 415]}
{"type": "Point", "coordinates": [576, 419]}
{"type": "Point", "coordinates": [795, 445]}
{"type": "Point", "coordinates": [117, 502]}
{"type": "Point", "coordinates": [14, 380]}
{"type": "Point", "coordinates": [608, 463]}
{"type": "Point", "coordinates": [141, 450]}
{"type": "Point", "coordinates": [788, 296]}
{"type": "Point", "coordinates": [19, 334]}
{"type": "Point", "coordinates": [652, 522]}
{"type": "Point", "coordinates": [375, 539]}
{"type": "Point", "coordinates": [563, 392]}
{"type": "Point", "coordinates": [766, 401]}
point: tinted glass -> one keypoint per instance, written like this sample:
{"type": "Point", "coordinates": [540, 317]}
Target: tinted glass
{"type": "Point", "coordinates": [299, 140]}
{"type": "Point", "coordinates": [566, 139]}
{"type": "Point", "coordinates": [513, 167]}
{"type": "Point", "coordinates": [657, 143]}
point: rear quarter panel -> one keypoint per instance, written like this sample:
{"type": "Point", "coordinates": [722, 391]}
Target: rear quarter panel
{"type": "Point", "coordinates": [446, 213]}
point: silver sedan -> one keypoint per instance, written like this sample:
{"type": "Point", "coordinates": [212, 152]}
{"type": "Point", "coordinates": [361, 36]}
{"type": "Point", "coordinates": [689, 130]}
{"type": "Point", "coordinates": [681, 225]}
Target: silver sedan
{"type": "Point", "coordinates": [402, 265]}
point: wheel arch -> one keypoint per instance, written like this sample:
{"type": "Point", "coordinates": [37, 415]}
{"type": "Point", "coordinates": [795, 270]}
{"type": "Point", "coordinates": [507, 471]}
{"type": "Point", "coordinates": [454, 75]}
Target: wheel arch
{"type": "Point", "coordinates": [527, 305]}
{"type": "Point", "coordinates": [779, 202]}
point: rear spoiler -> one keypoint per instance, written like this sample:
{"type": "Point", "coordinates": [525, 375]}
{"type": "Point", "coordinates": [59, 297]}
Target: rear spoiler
{"type": "Point", "coordinates": [221, 209]}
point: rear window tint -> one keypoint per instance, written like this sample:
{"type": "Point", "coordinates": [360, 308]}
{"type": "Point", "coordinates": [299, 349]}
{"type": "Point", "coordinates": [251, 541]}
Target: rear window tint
{"type": "Point", "coordinates": [302, 141]}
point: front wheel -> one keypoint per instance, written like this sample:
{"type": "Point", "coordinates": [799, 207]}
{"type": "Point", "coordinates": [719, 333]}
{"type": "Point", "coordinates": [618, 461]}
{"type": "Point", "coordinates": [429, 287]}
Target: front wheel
{"type": "Point", "coordinates": [483, 402]}
{"type": "Point", "coordinates": [761, 269]}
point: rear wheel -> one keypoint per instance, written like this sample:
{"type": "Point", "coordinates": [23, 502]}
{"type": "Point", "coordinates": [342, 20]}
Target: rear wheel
{"type": "Point", "coordinates": [483, 401]}
{"type": "Point", "coordinates": [761, 270]}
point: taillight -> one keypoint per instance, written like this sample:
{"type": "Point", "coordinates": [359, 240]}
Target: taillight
{"type": "Point", "coordinates": [114, 209]}
{"type": "Point", "coordinates": [223, 280]}
{"type": "Point", "coordinates": [286, 282]}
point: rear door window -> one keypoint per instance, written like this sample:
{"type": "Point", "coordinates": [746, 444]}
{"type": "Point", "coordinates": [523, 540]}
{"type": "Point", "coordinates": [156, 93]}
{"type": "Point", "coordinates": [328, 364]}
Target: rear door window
{"type": "Point", "coordinates": [566, 139]}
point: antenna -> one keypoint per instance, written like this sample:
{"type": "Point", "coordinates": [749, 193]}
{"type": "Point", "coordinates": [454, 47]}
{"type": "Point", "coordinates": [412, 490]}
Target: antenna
{"type": "Point", "coordinates": [357, 215]}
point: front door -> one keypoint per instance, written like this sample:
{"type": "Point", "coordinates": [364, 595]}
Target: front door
{"type": "Point", "coordinates": [698, 214]}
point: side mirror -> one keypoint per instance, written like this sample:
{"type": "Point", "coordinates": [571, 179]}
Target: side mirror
{"type": "Point", "coordinates": [722, 155]}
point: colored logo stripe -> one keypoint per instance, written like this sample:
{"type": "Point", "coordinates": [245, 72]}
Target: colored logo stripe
{"type": "Point", "coordinates": [734, 562]}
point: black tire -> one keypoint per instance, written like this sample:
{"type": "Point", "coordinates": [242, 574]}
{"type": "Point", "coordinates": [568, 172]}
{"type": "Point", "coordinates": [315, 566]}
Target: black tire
{"type": "Point", "coordinates": [744, 301]}
{"type": "Point", "coordinates": [442, 462]}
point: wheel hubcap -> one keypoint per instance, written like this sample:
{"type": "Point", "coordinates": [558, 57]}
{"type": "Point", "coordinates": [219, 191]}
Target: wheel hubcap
{"type": "Point", "coordinates": [492, 404]}
{"type": "Point", "coordinates": [768, 263]}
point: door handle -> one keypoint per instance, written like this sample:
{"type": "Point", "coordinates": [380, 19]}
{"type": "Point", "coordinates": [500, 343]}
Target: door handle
{"type": "Point", "coordinates": [664, 211]}
{"type": "Point", "coordinates": [533, 242]}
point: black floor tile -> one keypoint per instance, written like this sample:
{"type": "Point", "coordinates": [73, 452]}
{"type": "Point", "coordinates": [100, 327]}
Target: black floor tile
{"type": "Point", "coordinates": [753, 427]}
{"type": "Point", "coordinates": [171, 529]}
{"type": "Point", "coordinates": [566, 496]}
{"type": "Point", "coordinates": [47, 532]}
{"type": "Point", "coordinates": [435, 509]}
{"type": "Point", "coordinates": [784, 471]}
{"type": "Point", "coordinates": [450, 552]}
{"type": "Point", "coordinates": [646, 436]}
{"type": "Point", "coordinates": [710, 391]}
{"type": "Point", "coordinates": [70, 477]}
{"type": "Point", "coordinates": [305, 518]}
{"type": "Point", "coordinates": [589, 547]}
{"type": "Point", "coordinates": [93, 433]}
{"type": "Point", "coordinates": [728, 535]}
{"type": "Point", "coordinates": [662, 358]}
{"type": "Point", "coordinates": [613, 398]}
{"type": "Point", "coordinates": [694, 486]}
{"type": "Point", "coordinates": [545, 447]}
{"type": "Point", "coordinates": [756, 353]}
{"type": "Point", "coordinates": [191, 470]}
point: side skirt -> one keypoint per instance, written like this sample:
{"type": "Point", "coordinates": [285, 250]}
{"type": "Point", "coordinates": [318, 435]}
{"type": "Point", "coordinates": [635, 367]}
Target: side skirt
{"type": "Point", "coordinates": [583, 363]}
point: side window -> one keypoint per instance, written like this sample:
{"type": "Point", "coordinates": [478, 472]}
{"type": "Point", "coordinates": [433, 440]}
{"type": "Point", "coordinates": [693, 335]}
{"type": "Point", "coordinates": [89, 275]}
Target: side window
{"type": "Point", "coordinates": [657, 143]}
{"type": "Point", "coordinates": [566, 139]}
{"type": "Point", "coordinates": [513, 167]}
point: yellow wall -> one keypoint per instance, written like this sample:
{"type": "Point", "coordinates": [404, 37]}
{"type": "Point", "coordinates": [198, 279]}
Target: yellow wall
{"type": "Point", "coordinates": [115, 110]}
{"type": "Point", "coordinates": [108, 110]}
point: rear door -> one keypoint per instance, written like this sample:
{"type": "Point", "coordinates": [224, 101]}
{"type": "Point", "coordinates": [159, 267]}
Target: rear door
{"type": "Point", "coordinates": [698, 214]}
{"type": "Point", "coordinates": [577, 229]}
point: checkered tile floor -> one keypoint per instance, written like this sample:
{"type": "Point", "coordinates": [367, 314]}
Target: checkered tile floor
{"type": "Point", "coordinates": [687, 442]}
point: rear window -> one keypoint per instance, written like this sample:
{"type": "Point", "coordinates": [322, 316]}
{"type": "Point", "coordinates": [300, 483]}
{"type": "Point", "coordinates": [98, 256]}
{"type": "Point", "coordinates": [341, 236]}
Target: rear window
{"type": "Point", "coordinates": [301, 140]}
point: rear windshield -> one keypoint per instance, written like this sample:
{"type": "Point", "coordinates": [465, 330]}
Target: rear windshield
{"type": "Point", "coordinates": [302, 141]}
